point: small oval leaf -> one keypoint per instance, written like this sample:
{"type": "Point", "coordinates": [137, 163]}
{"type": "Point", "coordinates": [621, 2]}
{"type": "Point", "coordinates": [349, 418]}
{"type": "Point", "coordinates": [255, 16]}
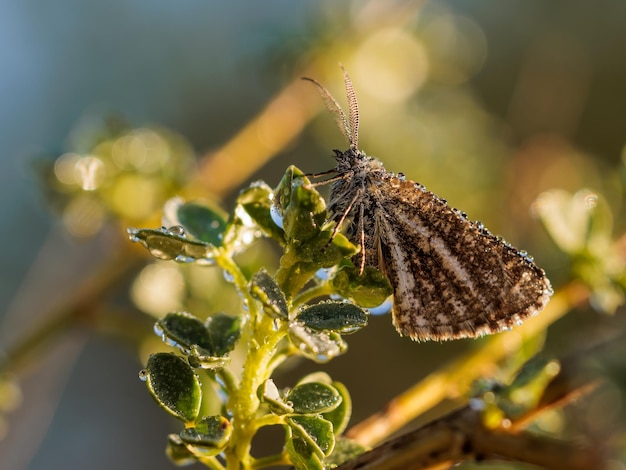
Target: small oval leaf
{"type": "Point", "coordinates": [174, 385]}
{"type": "Point", "coordinates": [345, 450]}
{"type": "Point", "coordinates": [202, 222]}
{"type": "Point", "coordinates": [314, 397]}
{"type": "Point", "coordinates": [164, 243]}
{"type": "Point", "coordinates": [177, 451]}
{"type": "Point", "coordinates": [183, 330]}
{"type": "Point", "coordinates": [257, 202]}
{"type": "Point", "coordinates": [265, 289]}
{"type": "Point", "coordinates": [315, 430]}
{"type": "Point", "coordinates": [224, 331]}
{"type": "Point", "coordinates": [340, 416]}
{"type": "Point", "coordinates": [319, 346]}
{"type": "Point", "coordinates": [302, 455]}
{"type": "Point", "coordinates": [271, 396]}
{"type": "Point", "coordinates": [203, 359]}
{"type": "Point", "coordinates": [210, 431]}
{"type": "Point", "coordinates": [368, 289]}
{"type": "Point", "coordinates": [341, 317]}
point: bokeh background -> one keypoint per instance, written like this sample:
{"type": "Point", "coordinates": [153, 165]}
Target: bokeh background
{"type": "Point", "coordinates": [486, 103]}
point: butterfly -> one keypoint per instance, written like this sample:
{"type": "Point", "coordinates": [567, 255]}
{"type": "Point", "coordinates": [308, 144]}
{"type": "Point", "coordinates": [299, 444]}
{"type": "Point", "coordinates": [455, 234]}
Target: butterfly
{"type": "Point", "coordinates": [451, 277]}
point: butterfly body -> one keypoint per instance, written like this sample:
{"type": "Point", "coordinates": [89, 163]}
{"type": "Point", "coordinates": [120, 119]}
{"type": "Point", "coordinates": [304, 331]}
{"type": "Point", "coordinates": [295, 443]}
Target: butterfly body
{"type": "Point", "coordinates": [451, 277]}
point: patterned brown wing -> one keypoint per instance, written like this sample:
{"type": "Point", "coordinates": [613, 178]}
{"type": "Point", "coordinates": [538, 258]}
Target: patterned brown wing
{"type": "Point", "coordinates": [451, 277]}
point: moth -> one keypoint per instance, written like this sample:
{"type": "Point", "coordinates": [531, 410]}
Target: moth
{"type": "Point", "coordinates": [451, 277]}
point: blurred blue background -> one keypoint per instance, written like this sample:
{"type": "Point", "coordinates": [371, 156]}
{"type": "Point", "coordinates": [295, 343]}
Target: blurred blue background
{"type": "Point", "coordinates": [204, 69]}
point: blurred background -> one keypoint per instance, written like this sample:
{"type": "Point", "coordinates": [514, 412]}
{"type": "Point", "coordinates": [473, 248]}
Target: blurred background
{"type": "Point", "coordinates": [111, 108]}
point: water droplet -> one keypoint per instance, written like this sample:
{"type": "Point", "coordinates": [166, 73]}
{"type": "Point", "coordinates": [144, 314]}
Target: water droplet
{"type": "Point", "coordinates": [323, 274]}
{"type": "Point", "coordinates": [277, 216]}
{"type": "Point", "coordinates": [228, 276]}
{"type": "Point", "coordinates": [383, 308]}
{"type": "Point", "coordinates": [177, 230]}
{"type": "Point", "coordinates": [591, 200]}
{"type": "Point", "coordinates": [205, 261]}
{"type": "Point", "coordinates": [143, 375]}
{"type": "Point", "coordinates": [184, 259]}
{"type": "Point", "coordinates": [476, 404]}
{"type": "Point", "coordinates": [401, 176]}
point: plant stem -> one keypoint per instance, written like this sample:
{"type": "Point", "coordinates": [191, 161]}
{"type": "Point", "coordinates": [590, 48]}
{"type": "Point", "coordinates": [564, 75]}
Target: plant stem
{"type": "Point", "coordinates": [244, 403]}
{"type": "Point", "coordinates": [260, 361]}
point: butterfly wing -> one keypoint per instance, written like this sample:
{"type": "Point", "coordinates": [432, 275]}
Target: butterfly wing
{"type": "Point", "coordinates": [451, 277]}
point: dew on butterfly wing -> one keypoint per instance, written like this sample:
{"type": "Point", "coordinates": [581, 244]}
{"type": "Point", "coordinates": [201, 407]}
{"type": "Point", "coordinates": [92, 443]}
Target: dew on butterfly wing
{"type": "Point", "coordinates": [401, 176]}
{"type": "Point", "coordinates": [228, 276]}
{"type": "Point", "coordinates": [143, 375]}
{"type": "Point", "coordinates": [184, 259]}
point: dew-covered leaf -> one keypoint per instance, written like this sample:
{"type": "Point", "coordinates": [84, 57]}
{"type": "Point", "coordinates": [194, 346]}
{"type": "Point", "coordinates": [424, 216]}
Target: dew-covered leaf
{"type": "Point", "coordinates": [177, 451]}
{"type": "Point", "coordinates": [309, 246]}
{"type": "Point", "coordinates": [174, 385]}
{"type": "Point", "coordinates": [303, 209]}
{"type": "Point", "coordinates": [224, 331]}
{"type": "Point", "coordinates": [341, 317]}
{"type": "Point", "coordinates": [300, 261]}
{"type": "Point", "coordinates": [319, 346]}
{"type": "Point", "coordinates": [257, 202]}
{"type": "Point", "coordinates": [369, 289]}
{"type": "Point", "coordinates": [210, 431]}
{"type": "Point", "coordinates": [340, 416]}
{"type": "Point", "coordinates": [265, 289]}
{"type": "Point", "coordinates": [302, 455]}
{"type": "Point", "coordinates": [345, 450]}
{"type": "Point", "coordinates": [314, 397]}
{"type": "Point", "coordinates": [164, 243]}
{"type": "Point", "coordinates": [202, 222]}
{"type": "Point", "coordinates": [204, 359]}
{"type": "Point", "coordinates": [183, 330]}
{"type": "Point", "coordinates": [315, 431]}
{"type": "Point", "coordinates": [271, 395]}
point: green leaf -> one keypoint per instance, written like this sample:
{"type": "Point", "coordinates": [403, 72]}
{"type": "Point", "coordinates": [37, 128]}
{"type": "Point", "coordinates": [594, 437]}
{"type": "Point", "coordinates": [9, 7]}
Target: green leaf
{"type": "Point", "coordinates": [174, 385]}
{"type": "Point", "coordinates": [177, 451]}
{"type": "Point", "coordinates": [207, 344]}
{"type": "Point", "coordinates": [202, 222]}
{"type": "Point", "coordinates": [300, 261]}
{"type": "Point", "coordinates": [368, 290]}
{"type": "Point", "coordinates": [302, 455]}
{"type": "Point", "coordinates": [224, 331]}
{"type": "Point", "coordinates": [264, 288]}
{"type": "Point", "coordinates": [257, 202]}
{"type": "Point", "coordinates": [203, 359]}
{"type": "Point", "coordinates": [164, 243]}
{"type": "Point", "coordinates": [340, 416]}
{"type": "Point", "coordinates": [319, 346]}
{"type": "Point", "coordinates": [309, 246]}
{"type": "Point", "coordinates": [315, 431]}
{"type": "Point", "coordinates": [314, 397]}
{"type": "Point", "coordinates": [210, 431]}
{"type": "Point", "coordinates": [272, 396]}
{"type": "Point", "coordinates": [183, 330]}
{"type": "Point", "coordinates": [341, 317]}
{"type": "Point", "coordinates": [345, 450]}
{"type": "Point", "coordinates": [303, 209]}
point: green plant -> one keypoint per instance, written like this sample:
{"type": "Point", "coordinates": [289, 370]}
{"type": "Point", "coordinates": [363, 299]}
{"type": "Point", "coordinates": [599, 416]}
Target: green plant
{"type": "Point", "coordinates": [276, 322]}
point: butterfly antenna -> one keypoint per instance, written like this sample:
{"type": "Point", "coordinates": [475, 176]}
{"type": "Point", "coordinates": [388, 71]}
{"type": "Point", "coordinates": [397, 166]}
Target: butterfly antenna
{"type": "Point", "coordinates": [332, 105]}
{"type": "Point", "coordinates": [353, 109]}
